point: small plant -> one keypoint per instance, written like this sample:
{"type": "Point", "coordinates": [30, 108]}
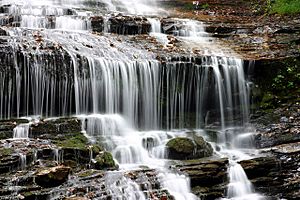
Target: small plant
{"type": "Point", "coordinates": [288, 77]}
{"type": "Point", "coordinates": [189, 6]}
{"type": "Point", "coordinates": [205, 6]}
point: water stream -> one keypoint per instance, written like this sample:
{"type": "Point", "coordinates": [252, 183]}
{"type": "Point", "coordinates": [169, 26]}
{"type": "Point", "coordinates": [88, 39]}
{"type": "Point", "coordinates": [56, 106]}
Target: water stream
{"type": "Point", "coordinates": [122, 94]}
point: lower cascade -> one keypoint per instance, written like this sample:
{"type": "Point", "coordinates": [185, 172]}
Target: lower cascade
{"type": "Point", "coordinates": [110, 100]}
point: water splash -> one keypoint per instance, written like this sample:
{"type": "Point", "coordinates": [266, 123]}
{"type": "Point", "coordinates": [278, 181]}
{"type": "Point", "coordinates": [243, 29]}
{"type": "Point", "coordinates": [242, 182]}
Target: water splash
{"type": "Point", "coordinates": [122, 187]}
{"type": "Point", "coordinates": [178, 185]}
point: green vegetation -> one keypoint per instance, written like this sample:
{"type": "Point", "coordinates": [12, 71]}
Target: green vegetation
{"type": "Point", "coordinates": [285, 7]}
{"type": "Point", "coordinates": [75, 140]}
{"type": "Point", "coordinates": [288, 77]}
{"type": "Point", "coordinates": [6, 151]}
{"type": "Point", "coordinates": [104, 160]}
{"type": "Point", "coordinates": [282, 84]}
{"type": "Point", "coordinates": [205, 6]}
{"type": "Point", "coordinates": [189, 6]}
{"type": "Point", "coordinates": [282, 7]}
{"type": "Point", "coordinates": [96, 148]}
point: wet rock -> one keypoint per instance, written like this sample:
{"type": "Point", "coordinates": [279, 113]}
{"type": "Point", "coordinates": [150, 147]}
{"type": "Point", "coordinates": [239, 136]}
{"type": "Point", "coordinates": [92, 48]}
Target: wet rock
{"type": "Point", "coordinates": [7, 127]}
{"type": "Point", "coordinates": [8, 162]}
{"type": "Point", "coordinates": [260, 167]}
{"type": "Point", "coordinates": [210, 193]}
{"type": "Point", "coordinates": [97, 23]}
{"type": "Point", "coordinates": [186, 148]}
{"type": "Point", "coordinates": [281, 126]}
{"type": "Point", "coordinates": [208, 177]}
{"type": "Point", "coordinates": [203, 148]}
{"type": "Point", "coordinates": [180, 148]}
{"type": "Point", "coordinates": [129, 25]}
{"type": "Point", "coordinates": [3, 32]}
{"type": "Point", "coordinates": [53, 176]}
{"type": "Point", "coordinates": [51, 128]}
{"type": "Point", "coordinates": [205, 172]}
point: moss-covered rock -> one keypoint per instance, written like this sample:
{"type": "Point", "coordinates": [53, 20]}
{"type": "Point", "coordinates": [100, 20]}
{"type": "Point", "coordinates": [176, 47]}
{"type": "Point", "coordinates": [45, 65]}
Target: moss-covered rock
{"type": "Point", "coordinates": [5, 152]}
{"type": "Point", "coordinates": [203, 148]}
{"type": "Point", "coordinates": [72, 140]}
{"type": "Point", "coordinates": [180, 147]}
{"type": "Point", "coordinates": [104, 160]}
{"type": "Point", "coordinates": [185, 148]}
{"type": "Point", "coordinates": [96, 149]}
{"type": "Point", "coordinates": [51, 128]}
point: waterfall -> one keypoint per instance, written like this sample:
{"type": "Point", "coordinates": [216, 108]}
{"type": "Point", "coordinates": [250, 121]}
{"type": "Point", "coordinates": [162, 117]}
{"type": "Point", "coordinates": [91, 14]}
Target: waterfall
{"type": "Point", "coordinates": [21, 131]}
{"type": "Point", "coordinates": [23, 161]}
{"type": "Point", "coordinates": [123, 95]}
{"type": "Point", "coordinates": [155, 25]}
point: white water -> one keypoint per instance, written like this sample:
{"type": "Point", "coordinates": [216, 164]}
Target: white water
{"type": "Point", "coordinates": [236, 144]}
{"type": "Point", "coordinates": [58, 155]}
{"type": "Point", "coordinates": [239, 188]}
{"type": "Point", "coordinates": [177, 185]}
{"type": "Point", "coordinates": [132, 148]}
{"type": "Point", "coordinates": [21, 131]}
{"type": "Point", "coordinates": [23, 161]}
{"type": "Point", "coordinates": [121, 187]}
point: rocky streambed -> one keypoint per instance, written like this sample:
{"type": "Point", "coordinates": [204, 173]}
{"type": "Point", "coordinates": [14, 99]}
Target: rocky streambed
{"type": "Point", "coordinates": [59, 162]}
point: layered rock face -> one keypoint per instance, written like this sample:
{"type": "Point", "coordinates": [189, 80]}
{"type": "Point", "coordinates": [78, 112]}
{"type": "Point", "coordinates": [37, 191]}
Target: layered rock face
{"type": "Point", "coordinates": [65, 63]}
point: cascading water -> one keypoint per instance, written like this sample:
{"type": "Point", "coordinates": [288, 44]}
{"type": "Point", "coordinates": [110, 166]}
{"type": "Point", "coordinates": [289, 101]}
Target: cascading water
{"type": "Point", "coordinates": [229, 80]}
{"type": "Point", "coordinates": [122, 93]}
{"type": "Point", "coordinates": [21, 131]}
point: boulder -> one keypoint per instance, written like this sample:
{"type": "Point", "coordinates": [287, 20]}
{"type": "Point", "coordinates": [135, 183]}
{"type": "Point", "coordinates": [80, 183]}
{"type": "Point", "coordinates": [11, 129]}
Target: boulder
{"type": "Point", "coordinates": [52, 177]}
{"type": "Point", "coordinates": [203, 148]}
{"type": "Point", "coordinates": [185, 148]}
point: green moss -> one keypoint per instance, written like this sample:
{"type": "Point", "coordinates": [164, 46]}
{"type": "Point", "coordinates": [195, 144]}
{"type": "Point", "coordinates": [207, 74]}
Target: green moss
{"type": "Point", "coordinates": [104, 160]}
{"type": "Point", "coordinates": [205, 6]}
{"type": "Point", "coordinates": [75, 140]}
{"type": "Point", "coordinates": [97, 149]}
{"type": "Point", "coordinates": [285, 7]}
{"type": "Point", "coordinates": [181, 145]}
{"type": "Point", "coordinates": [6, 151]}
{"type": "Point", "coordinates": [6, 135]}
{"type": "Point", "coordinates": [28, 194]}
